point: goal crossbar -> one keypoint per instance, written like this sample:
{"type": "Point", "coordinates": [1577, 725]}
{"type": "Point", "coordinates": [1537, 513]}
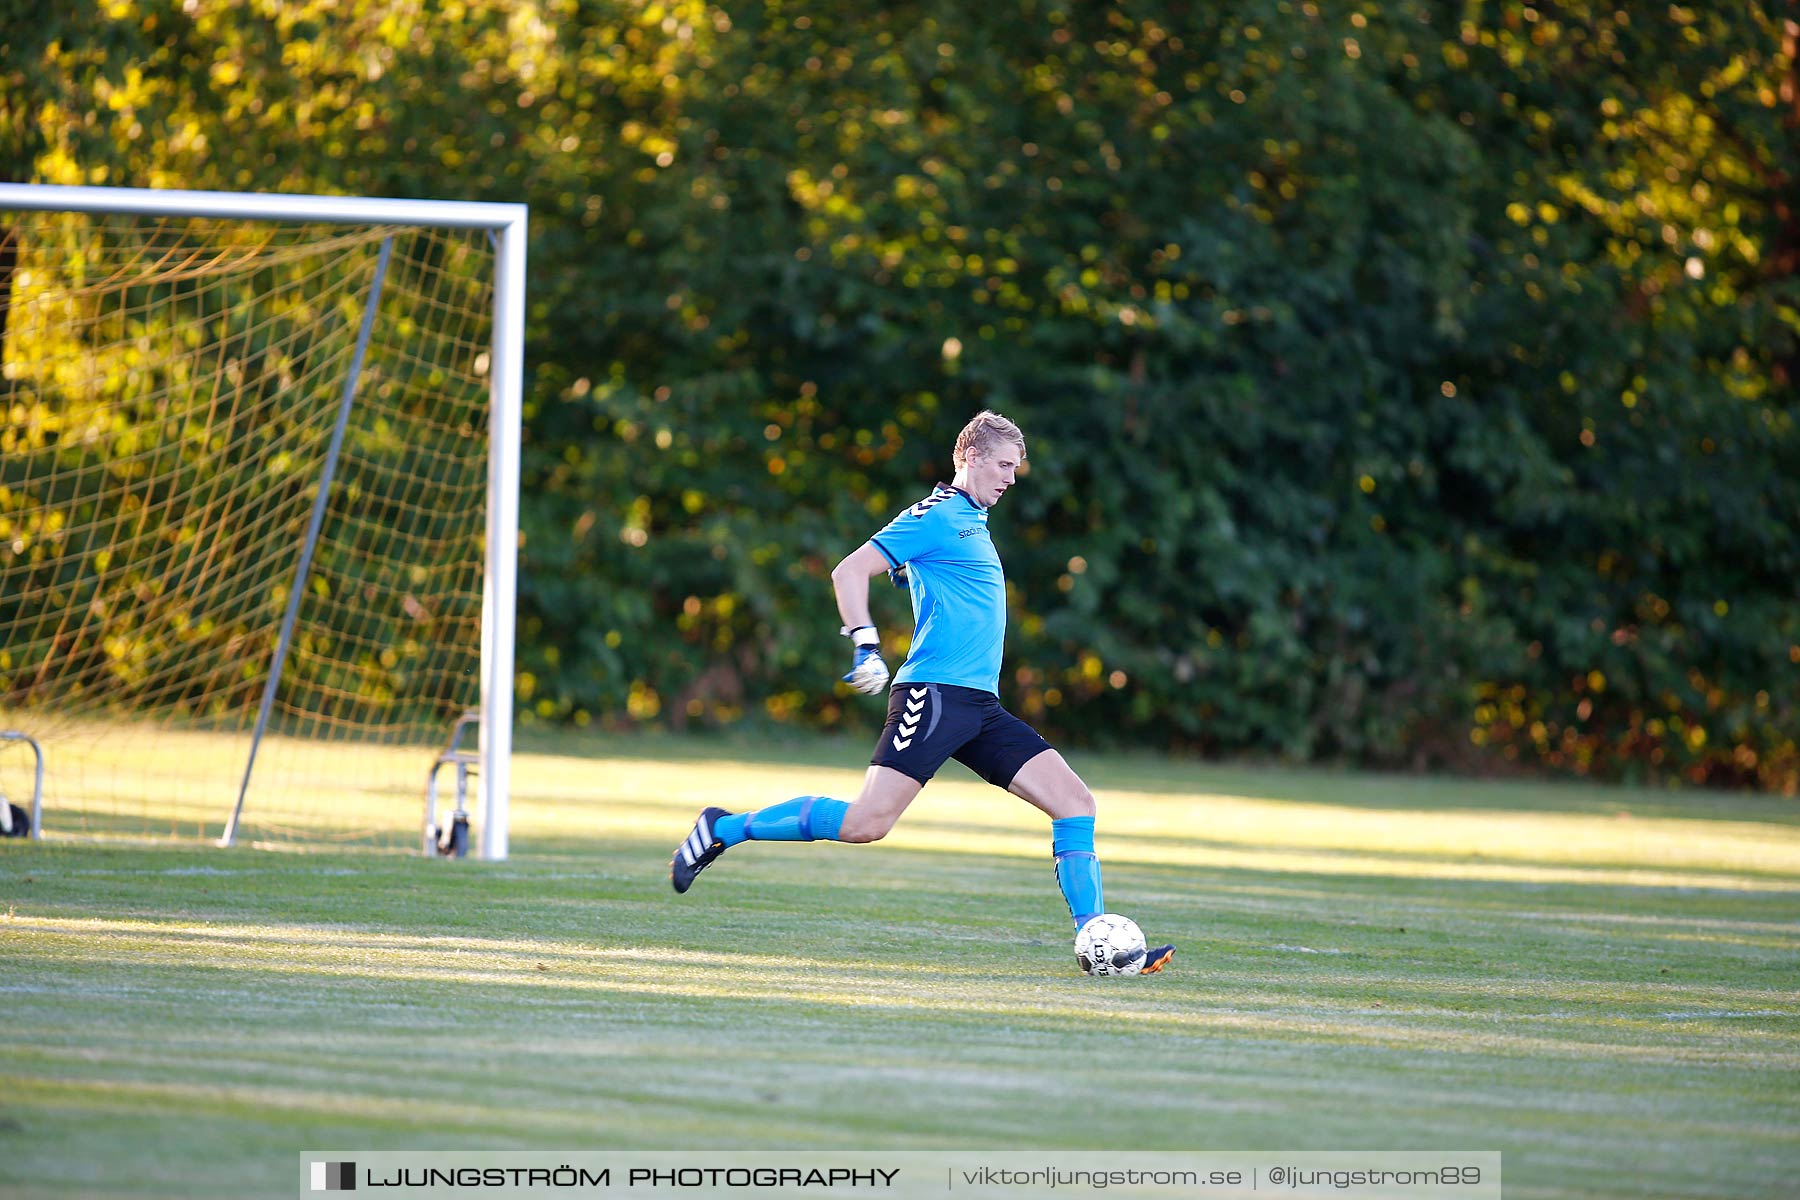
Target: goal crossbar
{"type": "Point", "coordinates": [172, 202]}
{"type": "Point", "coordinates": [507, 224]}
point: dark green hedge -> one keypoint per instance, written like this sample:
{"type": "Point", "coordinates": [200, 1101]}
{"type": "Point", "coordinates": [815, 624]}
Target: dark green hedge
{"type": "Point", "coordinates": [1409, 384]}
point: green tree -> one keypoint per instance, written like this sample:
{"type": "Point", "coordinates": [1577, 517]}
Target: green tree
{"type": "Point", "coordinates": [1409, 383]}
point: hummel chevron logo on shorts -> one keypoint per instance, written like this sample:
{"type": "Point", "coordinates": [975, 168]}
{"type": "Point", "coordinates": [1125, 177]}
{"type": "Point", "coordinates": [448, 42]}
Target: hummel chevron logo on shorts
{"type": "Point", "coordinates": [909, 720]}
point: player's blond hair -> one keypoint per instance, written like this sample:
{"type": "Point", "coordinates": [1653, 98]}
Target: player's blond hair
{"type": "Point", "coordinates": [984, 435]}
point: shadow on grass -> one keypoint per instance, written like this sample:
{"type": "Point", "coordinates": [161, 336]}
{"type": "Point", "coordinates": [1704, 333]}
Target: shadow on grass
{"type": "Point", "coordinates": [1363, 997]}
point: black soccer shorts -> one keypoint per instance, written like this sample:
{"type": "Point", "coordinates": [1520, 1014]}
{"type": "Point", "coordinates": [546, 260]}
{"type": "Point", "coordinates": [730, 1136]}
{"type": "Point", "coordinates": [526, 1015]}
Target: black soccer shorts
{"type": "Point", "coordinates": [930, 722]}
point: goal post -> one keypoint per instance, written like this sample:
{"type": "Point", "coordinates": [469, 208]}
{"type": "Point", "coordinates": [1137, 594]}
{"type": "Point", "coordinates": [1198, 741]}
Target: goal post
{"type": "Point", "coordinates": [171, 476]}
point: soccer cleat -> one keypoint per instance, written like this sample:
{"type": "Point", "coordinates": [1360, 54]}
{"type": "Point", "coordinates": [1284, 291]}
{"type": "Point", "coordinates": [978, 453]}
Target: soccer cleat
{"type": "Point", "coordinates": [698, 852]}
{"type": "Point", "coordinates": [1156, 958]}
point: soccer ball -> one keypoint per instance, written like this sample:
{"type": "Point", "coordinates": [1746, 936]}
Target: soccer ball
{"type": "Point", "coordinates": [1110, 945]}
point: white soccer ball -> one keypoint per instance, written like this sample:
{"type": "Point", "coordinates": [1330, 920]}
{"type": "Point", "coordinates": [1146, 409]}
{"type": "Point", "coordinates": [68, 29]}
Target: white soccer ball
{"type": "Point", "coordinates": [1110, 945]}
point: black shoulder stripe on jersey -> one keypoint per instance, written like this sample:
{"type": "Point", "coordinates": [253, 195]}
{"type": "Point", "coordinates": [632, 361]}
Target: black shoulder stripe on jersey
{"type": "Point", "coordinates": [924, 506]}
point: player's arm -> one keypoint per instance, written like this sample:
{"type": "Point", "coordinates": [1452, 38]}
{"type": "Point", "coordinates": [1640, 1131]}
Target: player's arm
{"type": "Point", "coordinates": [850, 580]}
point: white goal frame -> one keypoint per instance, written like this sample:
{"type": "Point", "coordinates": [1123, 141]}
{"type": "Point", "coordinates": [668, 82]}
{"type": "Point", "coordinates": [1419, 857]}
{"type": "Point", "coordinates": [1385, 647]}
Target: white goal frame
{"type": "Point", "coordinates": [506, 223]}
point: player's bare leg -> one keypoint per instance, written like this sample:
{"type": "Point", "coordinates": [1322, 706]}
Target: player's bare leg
{"type": "Point", "coordinates": [884, 796]}
{"type": "Point", "coordinates": [1048, 782]}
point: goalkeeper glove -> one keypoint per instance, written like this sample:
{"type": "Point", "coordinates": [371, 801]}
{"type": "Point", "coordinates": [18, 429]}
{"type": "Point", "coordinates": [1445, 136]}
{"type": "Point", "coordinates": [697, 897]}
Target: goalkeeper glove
{"type": "Point", "coordinates": [868, 674]}
{"type": "Point", "coordinates": [898, 577]}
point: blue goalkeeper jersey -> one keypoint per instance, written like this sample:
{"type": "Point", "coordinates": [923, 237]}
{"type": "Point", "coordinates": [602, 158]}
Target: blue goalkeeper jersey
{"type": "Point", "coordinates": [958, 590]}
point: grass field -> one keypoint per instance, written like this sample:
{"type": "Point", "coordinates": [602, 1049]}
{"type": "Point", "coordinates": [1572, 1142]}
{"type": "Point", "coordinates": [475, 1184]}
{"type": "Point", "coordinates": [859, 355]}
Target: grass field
{"type": "Point", "coordinates": [1599, 983]}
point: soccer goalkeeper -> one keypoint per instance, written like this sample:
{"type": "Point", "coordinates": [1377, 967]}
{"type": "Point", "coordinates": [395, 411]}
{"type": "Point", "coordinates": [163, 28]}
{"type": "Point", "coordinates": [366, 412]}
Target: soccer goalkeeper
{"type": "Point", "coordinates": [945, 700]}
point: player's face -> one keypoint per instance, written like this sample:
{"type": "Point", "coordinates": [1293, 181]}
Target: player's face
{"type": "Point", "coordinates": [989, 477]}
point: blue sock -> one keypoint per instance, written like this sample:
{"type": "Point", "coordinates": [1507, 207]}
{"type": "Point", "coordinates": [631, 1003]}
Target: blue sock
{"type": "Point", "coordinates": [802, 819]}
{"type": "Point", "coordinates": [1077, 867]}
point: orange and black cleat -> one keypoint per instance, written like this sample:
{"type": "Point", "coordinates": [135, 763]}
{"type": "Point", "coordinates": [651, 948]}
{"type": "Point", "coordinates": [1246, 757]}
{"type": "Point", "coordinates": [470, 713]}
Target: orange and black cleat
{"type": "Point", "coordinates": [1156, 958]}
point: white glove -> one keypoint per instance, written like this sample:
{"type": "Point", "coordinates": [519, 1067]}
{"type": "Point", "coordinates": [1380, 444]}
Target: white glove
{"type": "Point", "coordinates": [868, 674]}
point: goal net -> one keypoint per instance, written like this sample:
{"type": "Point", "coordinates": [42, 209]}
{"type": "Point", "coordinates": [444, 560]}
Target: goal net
{"type": "Point", "coordinates": [258, 464]}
